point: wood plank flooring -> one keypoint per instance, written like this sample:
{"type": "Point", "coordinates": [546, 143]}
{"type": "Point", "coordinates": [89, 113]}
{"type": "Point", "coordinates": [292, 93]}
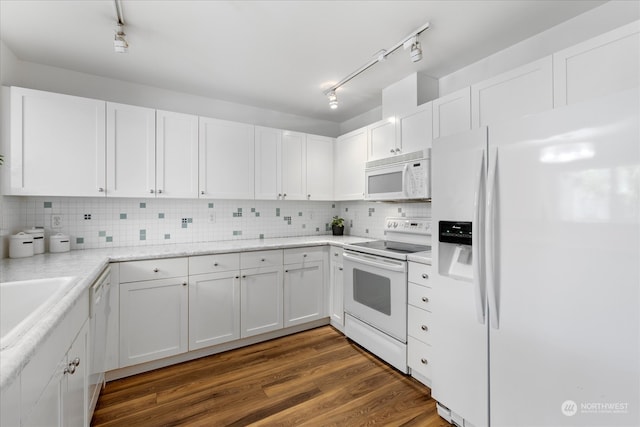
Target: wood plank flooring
{"type": "Point", "coordinates": [313, 378]}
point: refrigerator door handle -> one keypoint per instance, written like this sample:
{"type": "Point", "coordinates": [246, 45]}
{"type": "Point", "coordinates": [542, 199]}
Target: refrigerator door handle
{"type": "Point", "coordinates": [480, 284]}
{"type": "Point", "coordinates": [491, 239]}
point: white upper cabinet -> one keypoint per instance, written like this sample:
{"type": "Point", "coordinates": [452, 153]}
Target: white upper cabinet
{"type": "Point", "coordinates": [226, 159]}
{"type": "Point", "coordinates": [131, 151]}
{"type": "Point", "coordinates": [414, 130]}
{"type": "Point", "coordinates": [57, 145]}
{"type": "Point", "coordinates": [294, 165]}
{"type": "Point", "coordinates": [524, 90]}
{"type": "Point", "coordinates": [319, 167]}
{"type": "Point", "coordinates": [176, 155]}
{"type": "Point", "coordinates": [597, 67]}
{"type": "Point", "coordinates": [350, 156]}
{"type": "Point", "coordinates": [452, 113]}
{"type": "Point", "coordinates": [382, 139]}
{"type": "Point", "coordinates": [268, 162]}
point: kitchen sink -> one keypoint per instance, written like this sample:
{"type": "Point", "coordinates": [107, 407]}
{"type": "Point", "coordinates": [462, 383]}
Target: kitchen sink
{"type": "Point", "coordinates": [24, 303]}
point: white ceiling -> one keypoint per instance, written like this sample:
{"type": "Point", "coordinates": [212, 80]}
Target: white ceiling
{"type": "Point", "coordinates": [278, 55]}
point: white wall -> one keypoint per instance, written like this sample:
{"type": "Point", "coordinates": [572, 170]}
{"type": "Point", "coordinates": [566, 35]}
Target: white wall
{"type": "Point", "coordinates": [590, 24]}
{"type": "Point", "coordinates": [53, 79]}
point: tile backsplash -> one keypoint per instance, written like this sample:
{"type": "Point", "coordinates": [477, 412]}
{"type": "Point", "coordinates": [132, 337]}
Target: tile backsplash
{"type": "Point", "coordinates": [102, 223]}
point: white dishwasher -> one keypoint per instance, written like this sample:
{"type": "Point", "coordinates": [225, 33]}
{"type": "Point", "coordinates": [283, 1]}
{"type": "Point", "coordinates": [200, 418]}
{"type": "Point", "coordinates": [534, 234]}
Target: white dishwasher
{"type": "Point", "coordinates": [99, 311]}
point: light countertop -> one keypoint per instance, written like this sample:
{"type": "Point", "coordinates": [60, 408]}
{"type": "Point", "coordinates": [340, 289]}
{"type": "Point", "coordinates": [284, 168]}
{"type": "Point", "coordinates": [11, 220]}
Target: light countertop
{"type": "Point", "coordinates": [421, 257]}
{"type": "Point", "coordinates": [86, 266]}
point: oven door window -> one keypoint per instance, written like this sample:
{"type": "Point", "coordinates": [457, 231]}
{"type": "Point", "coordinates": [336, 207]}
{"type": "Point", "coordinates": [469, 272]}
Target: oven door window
{"type": "Point", "coordinates": [384, 183]}
{"type": "Point", "coordinates": [372, 290]}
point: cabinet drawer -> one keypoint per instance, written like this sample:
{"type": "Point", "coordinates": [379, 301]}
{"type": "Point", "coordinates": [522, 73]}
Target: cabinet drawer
{"type": "Point", "coordinates": [420, 273]}
{"type": "Point", "coordinates": [420, 296]}
{"type": "Point", "coordinates": [135, 271]}
{"type": "Point", "coordinates": [300, 255]}
{"type": "Point", "coordinates": [419, 357]}
{"type": "Point", "coordinates": [335, 255]}
{"type": "Point", "coordinates": [419, 324]}
{"type": "Point", "coordinates": [261, 259]}
{"type": "Point", "coordinates": [214, 263]}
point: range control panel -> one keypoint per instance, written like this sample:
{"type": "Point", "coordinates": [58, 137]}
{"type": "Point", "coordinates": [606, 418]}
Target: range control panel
{"type": "Point", "coordinates": [408, 225]}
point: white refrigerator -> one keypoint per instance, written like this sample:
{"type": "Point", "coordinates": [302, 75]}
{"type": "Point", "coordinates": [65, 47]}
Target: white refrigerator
{"type": "Point", "coordinates": [536, 251]}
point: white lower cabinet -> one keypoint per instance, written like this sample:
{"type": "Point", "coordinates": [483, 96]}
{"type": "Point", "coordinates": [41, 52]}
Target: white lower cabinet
{"type": "Point", "coordinates": [63, 402]}
{"type": "Point", "coordinates": [214, 308]}
{"type": "Point", "coordinates": [154, 314]}
{"type": "Point", "coordinates": [303, 292]}
{"type": "Point", "coordinates": [336, 288]}
{"type": "Point", "coordinates": [419, 323]}
{"type": "Point", "coordinates": [261, 306]}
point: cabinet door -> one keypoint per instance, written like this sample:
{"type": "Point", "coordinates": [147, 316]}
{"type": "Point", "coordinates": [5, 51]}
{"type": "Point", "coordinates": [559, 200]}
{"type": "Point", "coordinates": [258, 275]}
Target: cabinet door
{"type": "Point", "coordinates": [349, 160]}
{"type": "Point", "coordinates": [268, 172]}
{"type": "Point", "coordinates": [336, 295]}
{"type": "Point", "coordinates": [226, 159]}
{"type": "Point", "coordinates": [47, 411]}
{"type": "Point", "coordinates": [176, 155]}
{"type": "Point", "coordinates": [452, 113]}
{"type": "Point", "coordinates": [599, 66]}
{"type": "Point", "coordinates": [75, 398]}
{"type": "Point", "coordinates": [261, 300]}
{"type": "Point", "coordinates": [294, 165]}
{"type": "Point", "coordinates": [131, 151]}
{"type": "Point", "coordinates": [382, 140]}
{"type": "Point", "coordinates": [153, 320]}
{"type": "Point", "coordinates": [319, 167]}
{"type": "Point", "coordinates": [57, 144]}
{"type": "Point", "coordinates": [214, 308]}
{"type": "Point", "coordinates": [516, 93]}
{"type": "Point", "coordinates": [303, 292]}
{"type": "Point", "coordinates": [414, 131]}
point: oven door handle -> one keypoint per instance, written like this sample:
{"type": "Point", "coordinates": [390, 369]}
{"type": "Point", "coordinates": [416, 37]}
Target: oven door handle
{"type": "Point", "coordinates": [376, 262]}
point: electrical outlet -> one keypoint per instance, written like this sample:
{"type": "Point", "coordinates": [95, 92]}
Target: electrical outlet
{"type": "Point", "coordinates": [212, 217]}
{"type": "Point", "coordinates": [56, 221]}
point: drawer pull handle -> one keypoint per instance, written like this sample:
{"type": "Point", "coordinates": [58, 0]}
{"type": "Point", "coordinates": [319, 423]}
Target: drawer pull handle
{"type": "Point", "coordinates": [184, 283]}
{"type": "Point", "coordinates": [237, 277]}
{"type": "Point", "coordinates": [424, 327]}
{"type": "Point", "coordinates": [424, 361]}
{"type": "Point", "coordinates": [215, 264]}
{"type": "Point", "coordinates": [425, 299]}
{"type": "Point", "coordinates": [155, 270]}
{"type": "Point", "coordinates": [286, 271]}
{"type": "Point", "coordinates": [263, 260]}
{"type": "Point", "coordinates": [425, 276]}
{"type": "Point", "coordinates": [244, 276]}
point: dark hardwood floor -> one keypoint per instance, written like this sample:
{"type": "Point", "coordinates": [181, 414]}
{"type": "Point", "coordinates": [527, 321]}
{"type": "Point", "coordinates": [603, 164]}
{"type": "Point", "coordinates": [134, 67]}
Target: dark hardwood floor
{"type": "Point", "coordinates": [313, 378]}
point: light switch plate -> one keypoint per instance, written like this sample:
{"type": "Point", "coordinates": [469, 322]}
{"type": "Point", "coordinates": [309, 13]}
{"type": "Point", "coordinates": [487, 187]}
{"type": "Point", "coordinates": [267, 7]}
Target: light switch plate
{"type": "Point", "coordinates": [56, 221]}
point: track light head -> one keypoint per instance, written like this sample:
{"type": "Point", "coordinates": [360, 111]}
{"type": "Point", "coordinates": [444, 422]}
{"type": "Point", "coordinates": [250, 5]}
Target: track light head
{"type": "Point", "coordinates": [120, 44]}
{"type": "Point", "coordinates": [416, 52]}
{"type": "Point", "coordinates": [333, 99]}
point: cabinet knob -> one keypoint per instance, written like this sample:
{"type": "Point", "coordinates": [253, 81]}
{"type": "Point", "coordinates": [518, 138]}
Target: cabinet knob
{"type": "Point", "coordinates": [151, 191]}
{"type": "Point", "coordinates": [286, 271]}
{"type": "Point", "coordinates": [237, 277]}
{"type": "Point", "coordinates": [101, 190]}
{"type": "Point", "coordinates": [424, 327]}
{"type": "Point", "coordinates": [155, 270]}
{"type": "Point", "coordinates": [76, 361]}
{"type": "Point", "coordinates": [279, 194]}
{"type": "Point", "coordinates": [262, 259]}
{"type": "Point", "coordinates": [397, 150]}
{"type": "Point", "coordinates": [304, 255]}
{"type": "Point", "coordinates": [244, 276]}
{"type": "Point", "coordinates": [308, 196]}
{"type": "Point", "coordinates": [340, 268]}
{"type": "Point", "coordinates": [425, 299]}
{"type": "Point", "coordinates": [184, 283]}
{"type": "Point", "coordinates": [284, 195]}
{"type": "Point", "coordinates": [425, 276]}
{"type": "Point", "coordinates": [215, 264]}
{"type": "Point", "coordinates": [392, 151]}
{"type": "Point", "coordinates": [202, 192]}
{"type": "Point", "coordinates": [424, 361]}
{"type": "Point", "coordinates": [70, 369]}
{"type": "Point", "coordinates": [335, 254]}
{"type": "Point", "coordinates": [159, 191]}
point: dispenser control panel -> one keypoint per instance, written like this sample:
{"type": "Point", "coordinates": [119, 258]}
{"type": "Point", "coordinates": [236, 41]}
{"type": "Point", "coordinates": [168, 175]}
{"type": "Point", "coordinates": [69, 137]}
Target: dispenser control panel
{"type": "Point", "coordinates": [454, 232]}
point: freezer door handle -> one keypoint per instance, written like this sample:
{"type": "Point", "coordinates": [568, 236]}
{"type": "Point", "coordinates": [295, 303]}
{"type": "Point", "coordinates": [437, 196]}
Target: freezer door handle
{"type": "Point", "coordinates": [491, 240]}
{"type": "Point", "coordinates": [476, 243]}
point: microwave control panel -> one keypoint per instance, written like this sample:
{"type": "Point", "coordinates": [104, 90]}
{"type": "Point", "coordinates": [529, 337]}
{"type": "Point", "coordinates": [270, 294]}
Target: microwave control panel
{"type": "Point", "coordinates": [416, 179]}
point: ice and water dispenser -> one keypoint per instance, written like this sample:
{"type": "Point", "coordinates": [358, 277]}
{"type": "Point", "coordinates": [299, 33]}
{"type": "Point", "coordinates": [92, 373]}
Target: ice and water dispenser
{"type": "Point", "coordinates": [454, 249]}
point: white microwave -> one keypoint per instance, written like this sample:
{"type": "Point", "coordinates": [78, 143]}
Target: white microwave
{"type": "Point", "coordinates": [406, 180]}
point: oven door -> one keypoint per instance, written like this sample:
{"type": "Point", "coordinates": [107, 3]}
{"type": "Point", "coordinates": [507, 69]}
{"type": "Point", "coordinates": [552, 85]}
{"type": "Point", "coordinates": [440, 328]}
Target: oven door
{"type": "Point", "coordinates": [375, 291]}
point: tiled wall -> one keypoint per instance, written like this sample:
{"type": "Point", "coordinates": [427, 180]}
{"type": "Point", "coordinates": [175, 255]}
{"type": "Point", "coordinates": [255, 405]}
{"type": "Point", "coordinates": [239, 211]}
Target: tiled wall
{"type": "Point", "coordinates": [100, 222]}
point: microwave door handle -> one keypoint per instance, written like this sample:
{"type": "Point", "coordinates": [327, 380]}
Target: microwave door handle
{"type": "Point", "coordinates": [405, 178]}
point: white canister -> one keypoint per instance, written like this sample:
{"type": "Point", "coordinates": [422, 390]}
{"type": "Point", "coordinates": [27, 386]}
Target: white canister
{"type": "Point", "coordinates": [21, 245]}
{"type": "Point", "coordinates": [59, 243]}
{"type": "Point", "coordinates": [38, 239]}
